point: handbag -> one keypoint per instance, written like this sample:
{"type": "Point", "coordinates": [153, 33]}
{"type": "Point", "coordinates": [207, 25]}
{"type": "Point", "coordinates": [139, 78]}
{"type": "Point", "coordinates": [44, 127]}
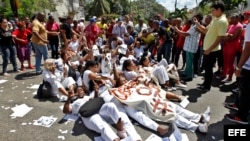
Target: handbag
{"type": "Point", "coordinates": [45, 90]}
{"type": "Point", "coordinates": [91, 107]}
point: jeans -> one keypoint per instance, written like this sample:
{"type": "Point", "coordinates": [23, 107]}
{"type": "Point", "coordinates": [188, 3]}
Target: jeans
{"type": "Point", "coordinates": [165, 50]}
{"type": "Point", "coordinates": [54, 49]}
{"type": "Point", "coordinates": [9, 53]}
{"type": "Point", "coordinates": [41, 51]}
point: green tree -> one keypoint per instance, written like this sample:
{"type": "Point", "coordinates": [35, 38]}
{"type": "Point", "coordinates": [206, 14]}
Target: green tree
{"type": "Point", "coordinates": [98, 8]}
{"type": "Point", "coordinates": [27, 7]}
{"type": "Point", "coordinates": [147, 9]}
{"type": "Point", "coordinates": [182, 13]}
{"type": "Point", "coordinates": [229, 4]}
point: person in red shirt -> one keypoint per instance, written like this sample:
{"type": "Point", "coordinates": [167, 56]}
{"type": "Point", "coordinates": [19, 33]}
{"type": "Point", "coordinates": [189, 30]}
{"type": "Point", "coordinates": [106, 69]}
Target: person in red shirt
{"type": "Point", "coordinates": [21, 38]}
{"type": "Point", "coordinates": [92, 31]}
{"type": "Point", "coordinates": [53, 26]}
{"type": "Point", "coordinates": [180, 44]}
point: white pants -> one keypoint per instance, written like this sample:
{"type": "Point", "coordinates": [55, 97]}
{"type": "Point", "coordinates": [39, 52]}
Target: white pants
{"type": "Point", "coordinates": [184, 118]}
{"type": "Point", "coordinates": [67, 82]}
{"type": "Point", "coordinates": [128, 126]}
{"type": "Point", "coordinates": [161, 74]}
{"type": "Point", "coordinates": [98, 124]}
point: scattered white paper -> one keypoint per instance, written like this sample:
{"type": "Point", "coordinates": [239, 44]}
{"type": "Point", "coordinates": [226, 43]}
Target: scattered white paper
{"type": "Point", "coordinates": [70, 117]}
{"type": "Point", "coordinates": [213, 137]}
{"type": "Point", "coordinates": [3, 81]}
{"type": "Point", "coordinates": [20, 110]}
{"type": "Point", "coordinates": [12, 131]}
{"type": "Point", "coordinates": [45, 121]}
{"type": "Point", "coordinates": [99, 138]}
{"type": "Point", "coordinates": [10, 100]}
{"type": "Point", "coordinates": [36, 86]}
{"type": "Point", "coordinates": [184, 137]}
{"type": "Point", "coordinates": [63, 132]}
{"type": "Point", "coordinates": [1, 91]}
{"type": "Point", "coordinates": [24, 123]}
{"type": "Point", "coordinates": [61, 107]}
{"type": "Point", "coordinates": [153, 137]}
{"type": "Point", "coordinates": [26, 91]}
{"type": "Point", "coordinates": [6, 108]}
{"type": "Point", "coordinates": [61, 137]}
{"type": "Point", "coordinates": [34, 93]}
{"type": "Point", "coordinates": [184, 103]}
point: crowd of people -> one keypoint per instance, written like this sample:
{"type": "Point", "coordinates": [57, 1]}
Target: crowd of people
{"type": "Point", "coordinates": [87, 60]}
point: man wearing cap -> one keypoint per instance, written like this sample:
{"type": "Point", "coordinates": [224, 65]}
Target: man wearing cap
{"type": "Point", "coordinates": [119, 29]}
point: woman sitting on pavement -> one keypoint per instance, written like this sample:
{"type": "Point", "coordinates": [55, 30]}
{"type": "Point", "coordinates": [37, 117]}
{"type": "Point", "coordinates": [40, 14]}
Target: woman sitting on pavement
{"type": "Point", "coordinates": [57, 78]}
{"type": "Point", "coordinates": [171, 69]}
{"type": "Point", "coordinates": [131, 71]}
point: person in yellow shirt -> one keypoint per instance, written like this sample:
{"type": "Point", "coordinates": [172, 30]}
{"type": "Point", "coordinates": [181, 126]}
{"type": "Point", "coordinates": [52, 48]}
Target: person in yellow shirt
{"type": "Point", "coordinates": [214, 33]}
{"type": "Point", "coordinates": [148, 38]}
{"type": "Point", "coordinates": [103, 26]}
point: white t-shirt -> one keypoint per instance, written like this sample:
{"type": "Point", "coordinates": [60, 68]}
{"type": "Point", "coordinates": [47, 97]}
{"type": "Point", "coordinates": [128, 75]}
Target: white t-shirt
{"type": "Point", "coordinates": [139, 51]}
{"type": "Point", "coordinates": [129, 75]}
{"type": "Point", "coordinates": [247, 39]}
{"type": "Point", "coordinates": [86, 78]}
{"type": "Point", "coordinates": [76, 105]}
{"type": "Point", "coordinates": [74, 45]}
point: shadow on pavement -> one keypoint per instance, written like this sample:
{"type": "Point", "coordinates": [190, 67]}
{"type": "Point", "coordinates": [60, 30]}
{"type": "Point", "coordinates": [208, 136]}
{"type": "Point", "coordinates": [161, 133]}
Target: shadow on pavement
{"type": "Point", "coordinates": [26, 75]}
{"type": "Point", "coordinates": [193, 94]}
{"type": "Point", "coordinates": [79, 129]}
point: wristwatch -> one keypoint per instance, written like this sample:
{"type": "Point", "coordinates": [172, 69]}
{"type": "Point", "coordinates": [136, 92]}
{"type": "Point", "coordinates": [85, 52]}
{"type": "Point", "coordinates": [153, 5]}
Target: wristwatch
{"type": "Point", "coordinates": [237, 68]}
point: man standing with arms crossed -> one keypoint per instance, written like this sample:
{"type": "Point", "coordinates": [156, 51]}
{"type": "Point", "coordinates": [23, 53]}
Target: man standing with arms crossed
{"type": "Point", "coordinates": [214, 33]}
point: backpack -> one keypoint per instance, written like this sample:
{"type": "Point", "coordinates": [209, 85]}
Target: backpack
{"type": "Point", "coordinates": [45, 90]}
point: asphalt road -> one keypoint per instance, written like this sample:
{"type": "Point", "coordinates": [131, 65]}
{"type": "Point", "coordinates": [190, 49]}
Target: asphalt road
{"type": "Point", "coordinates": [17, 91]}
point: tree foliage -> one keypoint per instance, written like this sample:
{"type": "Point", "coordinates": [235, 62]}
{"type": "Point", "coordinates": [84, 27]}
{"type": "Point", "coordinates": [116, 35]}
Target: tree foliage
{"type": "Point", "coordinates": [136, 8]}
{"type": "Point", "coordinates": [229, 4]}
{"type": "Point", "coordinates": [27, 7]}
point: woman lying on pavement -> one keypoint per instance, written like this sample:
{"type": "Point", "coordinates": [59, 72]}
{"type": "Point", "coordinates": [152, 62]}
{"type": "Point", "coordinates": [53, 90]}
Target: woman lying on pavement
{"type": "Point", "coordinates": [98, 122]}
{"type": "Point", "coordinates": [161, 107]}
{"type": "Point", "coordinates": [93, 78]}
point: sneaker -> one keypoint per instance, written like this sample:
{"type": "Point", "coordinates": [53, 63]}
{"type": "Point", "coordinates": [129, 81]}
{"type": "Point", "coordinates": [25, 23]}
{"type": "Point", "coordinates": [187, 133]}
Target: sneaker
{"type": "Point", "coordinates": [236, 119]}
{"type": "Point", "coordinates": [220, 77]}
{"type": "Point", "coordinates": [31, 67]}
{"type": "Point", "coordinates": [22, 68]}
{"type": "Point", "coordinates": [227, 80]}
{"type": "Point", "coordinates": [231, 106]}
{"type": "Point", "coordinates": [203, 127]}
{"type": "Point", "coordinates": [203, 88]}
{"type": "Point", "coordinates": [236, 90]}
{"type": "Point", "coordinates": [122, 134]}
{"type": "Point", "coordinates": [206, 115]}
{"type": "Point", "coordinates": [181, 85]}
{"type": "Point", "coordinates": [6, 74]}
